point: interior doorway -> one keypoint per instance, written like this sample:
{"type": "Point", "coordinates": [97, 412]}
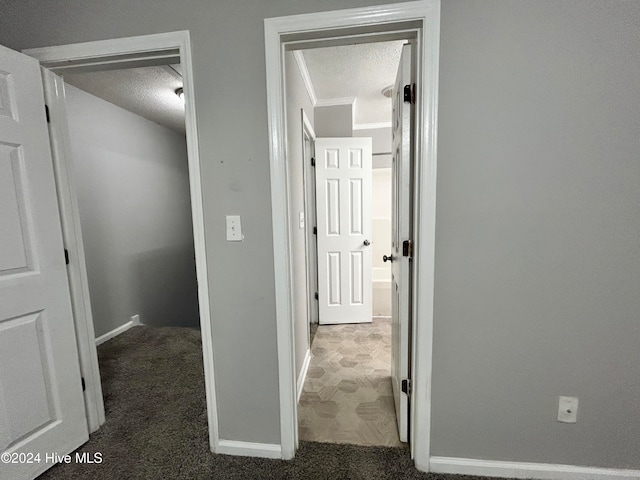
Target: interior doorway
{"type": "Point", "coordinates": [155, 50]}
{"type": "Point", "coordinates": [348, 393]}
{"type": "Point", "coordinates": [127, 138]}
{"type": "Point", "coordinates": [420, 21]}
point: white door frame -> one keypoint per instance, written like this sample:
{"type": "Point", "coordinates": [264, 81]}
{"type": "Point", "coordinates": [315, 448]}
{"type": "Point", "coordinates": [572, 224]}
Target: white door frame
{"type": "Point", "coordinates": [422, 19]}
{"type": "Point", "coordinates": [72, 238]}
{"type": "Point", "coordinates": [308, 176]}
{"type": "Point", "coordinates": [133, 51]}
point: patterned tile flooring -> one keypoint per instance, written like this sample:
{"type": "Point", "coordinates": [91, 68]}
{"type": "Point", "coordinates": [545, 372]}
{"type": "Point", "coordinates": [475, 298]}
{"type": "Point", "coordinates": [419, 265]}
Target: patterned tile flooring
{"type": "Point", "coordinates": [347, 396]}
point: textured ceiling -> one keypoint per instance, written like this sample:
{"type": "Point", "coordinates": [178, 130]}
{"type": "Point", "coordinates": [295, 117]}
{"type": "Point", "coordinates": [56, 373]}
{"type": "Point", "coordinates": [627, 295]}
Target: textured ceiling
{"type": "Point", "coordinates": [360, 71]}
{"type": "Point", "coordinates": [146, 91]}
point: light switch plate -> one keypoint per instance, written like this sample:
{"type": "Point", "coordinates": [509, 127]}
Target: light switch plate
{"type": "Point", "coordinates": [234, 228]}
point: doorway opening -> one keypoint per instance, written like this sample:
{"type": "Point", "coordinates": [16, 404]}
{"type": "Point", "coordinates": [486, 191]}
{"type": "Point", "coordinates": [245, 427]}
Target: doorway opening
{"type": "Point", "coordinates": [127, 137]}
{"type": "Point", "coordinates": [416, 20]}
{"type": "Point", "coordinates": [347, 396]}
{"type": "Point", "coordinates": [129, 162]}
{"type": "Point", "coordinates": [182, 258]}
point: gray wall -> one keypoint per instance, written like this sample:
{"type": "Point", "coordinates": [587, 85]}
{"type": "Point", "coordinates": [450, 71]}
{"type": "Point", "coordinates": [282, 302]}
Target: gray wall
{"type": "Point", "coordinates": [334, 121]}
{"type": "Point", "coordinates": [297, 99]}
{"type": "Point", "coordinates": [132, 179]}
{"type": "Point", "coordinates": [537, 249]}
{"type": "Point", "coordinates": [381, 139]}
{"type": "Point", "coordinates": [227, 39]}
{"type": "Point", "coordinates": [537, 272]}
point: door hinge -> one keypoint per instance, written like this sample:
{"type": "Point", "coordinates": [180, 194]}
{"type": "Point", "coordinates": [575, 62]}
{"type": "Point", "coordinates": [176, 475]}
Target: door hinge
{"type": "Point", "coordinates": [46, 113]}
{"type": "Point", "coordinates": [84, 386]}
{"type": "Point", "coordinates": [410, 93]}
{"type": "Point", "coordinates": [406, 386]}
{"type": "Point", "coordinates": [66, 256]}
{"type": "Point", "coordinates": [313, 161]}
{"type": "Point", "coordinates": [316, 295]}
{"type": "Point", "coordinates": [315, 230]}
{"type": "Point", "coordinates": [407, 248]}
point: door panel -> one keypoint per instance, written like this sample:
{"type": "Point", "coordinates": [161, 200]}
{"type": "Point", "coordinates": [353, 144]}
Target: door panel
{"type": "Point", "coordinates": [41, 402]}
{"type": "Point", "coordinates": [355, 278]}
{"type": "Point", "coordinates": [14, 236]}
{"type": "Point", "coordinates": [355, 206]}
{"type": "Point", "coordinates": [343, 187]}
{"type": "Point", "coordinates": [401, 231]}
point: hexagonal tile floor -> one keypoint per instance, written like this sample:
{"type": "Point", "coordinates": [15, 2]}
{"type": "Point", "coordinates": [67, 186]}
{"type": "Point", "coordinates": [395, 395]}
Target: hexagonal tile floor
{"type": "Point", "coordinates": [347, 396]}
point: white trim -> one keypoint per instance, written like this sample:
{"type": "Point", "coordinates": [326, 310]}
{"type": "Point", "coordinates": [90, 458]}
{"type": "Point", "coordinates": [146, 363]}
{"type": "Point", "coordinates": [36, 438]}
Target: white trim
{"type": "Point", "coordinates": [115, 332]}
{"type": "Point", "coordinates": [543, 471]}
{"type": "Point", "coordinates": [308, 175]}
{"type": "Point", "coordinates": [428, 63]}
{"type": "Point", "coordinates": [371, 126]}
{"type": "Point", "coordinates": [306, 78]}
{"type": "Point", "coordinates": [303, 372]}
{"type": "Point", "coordinates": [107, 49]}
{"type": "Point", "coordinates": [72, 237]}
{"type": "Point", "coordinates": [248, 449]}
{"type": "Point", "coordinates": [334, 102]}
{"type": "Point", "coordinates": [306, 125]}
{"type": "Point", "coordinates": [281, 256]}
{"type": "Point", "coordinates": [130, 46]}
{"type": "Point", "coordinates": [278, 31]}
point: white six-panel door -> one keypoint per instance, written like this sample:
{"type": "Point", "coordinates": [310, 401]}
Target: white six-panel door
{"type": "Point", "coordinates": [343, 199]}
{"type": "Point", "coordinates": [401, 231]}
{"type": "Point", "coordinates": [41, 402]}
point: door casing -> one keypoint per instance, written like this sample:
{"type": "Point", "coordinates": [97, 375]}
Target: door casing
{"type": "Point", "coordinates": [311, 253]}
{"type": "Point", "coordinates": [72, 237]}
{"type": "Point", "coordinates": [420, 21]}
{"type": "Point", "coordinates": [130, 52]}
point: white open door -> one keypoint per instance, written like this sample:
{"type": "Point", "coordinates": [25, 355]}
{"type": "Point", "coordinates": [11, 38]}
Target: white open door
{"type": "Point", "coordinates": [343, 192]}
{"type": "Point", "coordinates": [401, 241]}
{"type": "Point", "coordinates": [41, 402]}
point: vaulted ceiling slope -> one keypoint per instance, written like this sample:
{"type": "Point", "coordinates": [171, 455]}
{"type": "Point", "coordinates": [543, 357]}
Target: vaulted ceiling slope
{"type": "Point", "coordinates": [145, 91]}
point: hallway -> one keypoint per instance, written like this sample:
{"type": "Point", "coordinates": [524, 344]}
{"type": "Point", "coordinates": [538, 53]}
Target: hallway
{"type": "Point", "coordinates": [347, 396]}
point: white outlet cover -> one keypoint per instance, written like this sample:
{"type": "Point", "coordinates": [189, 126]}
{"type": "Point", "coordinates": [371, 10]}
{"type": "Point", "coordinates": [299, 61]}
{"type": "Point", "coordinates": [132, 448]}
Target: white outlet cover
{"type": "Point", "coordinates": [234, 228]}
{"type": "Point", "coordinates": [567, 409]}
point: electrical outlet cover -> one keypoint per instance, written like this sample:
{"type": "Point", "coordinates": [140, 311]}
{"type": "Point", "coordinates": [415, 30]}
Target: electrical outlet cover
{"type": "Point", "coordinates": [567, 409]}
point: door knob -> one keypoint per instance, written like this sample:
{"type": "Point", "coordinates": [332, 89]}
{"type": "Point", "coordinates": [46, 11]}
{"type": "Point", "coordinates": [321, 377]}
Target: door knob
{"type": "Point", "coordinates": [387, 259]}
{"type": "Point", "coordinates": [367, 243]}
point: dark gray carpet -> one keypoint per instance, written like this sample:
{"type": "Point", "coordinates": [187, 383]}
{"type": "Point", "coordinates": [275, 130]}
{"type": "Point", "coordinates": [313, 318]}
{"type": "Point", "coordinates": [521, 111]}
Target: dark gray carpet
{"type": "Point", "coordinates": [156, 426]}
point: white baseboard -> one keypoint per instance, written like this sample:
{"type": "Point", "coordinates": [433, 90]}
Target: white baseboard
{"type": "Point", "coordinates": [117, 331]}
{"type": "Point", "coordinates": [303, 372]}
{"type": "Point", "coordinates": [543, 471]}
{"type": "Point", "coordinates": [248, 449]}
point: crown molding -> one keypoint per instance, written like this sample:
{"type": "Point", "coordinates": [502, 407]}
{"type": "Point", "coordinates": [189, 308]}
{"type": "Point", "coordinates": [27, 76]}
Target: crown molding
{"type": "Point", "coordinates": [333, 102]}
{"type": "Point", "coordinates": [371, 126]}
{"type": "Point", "coordinates": [306, 78]}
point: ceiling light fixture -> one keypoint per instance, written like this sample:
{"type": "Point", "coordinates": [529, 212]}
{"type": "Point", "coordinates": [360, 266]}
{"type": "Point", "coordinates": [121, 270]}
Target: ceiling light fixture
{"type": "Point", "coordinates": [387, 91]}
{"type": "Point", "coordinates": [180, 93]}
